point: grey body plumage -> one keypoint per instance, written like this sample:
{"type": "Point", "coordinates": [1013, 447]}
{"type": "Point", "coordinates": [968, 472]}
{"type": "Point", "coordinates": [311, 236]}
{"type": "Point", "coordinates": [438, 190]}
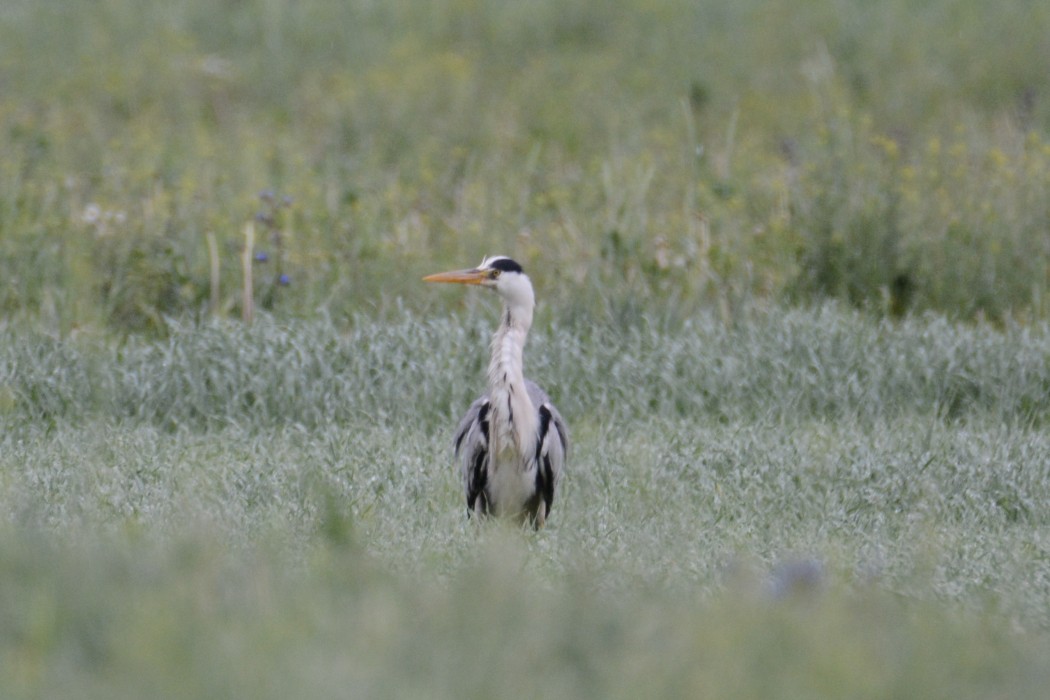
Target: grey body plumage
{"type": "Point", "coordinates": [471, 446]}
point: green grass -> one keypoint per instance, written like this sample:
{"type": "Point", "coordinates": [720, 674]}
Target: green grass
{"type": "Point", "coordinates": [768, 364]}
{"type": "Point", "coordinates": [799, 503]}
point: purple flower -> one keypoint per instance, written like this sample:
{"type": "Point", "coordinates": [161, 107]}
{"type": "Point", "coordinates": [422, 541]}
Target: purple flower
{"type": "Point", "coordinates": [284, 280]}
{"type": "Point", "coordinates": [262, 256]}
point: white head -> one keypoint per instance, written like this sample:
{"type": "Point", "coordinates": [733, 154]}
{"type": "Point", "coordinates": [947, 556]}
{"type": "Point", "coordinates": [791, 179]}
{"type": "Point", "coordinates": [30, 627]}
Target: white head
{"type": "Point", "coordinates": [509, 280]}
{"type": "Point", "coordinates": [503, 275]}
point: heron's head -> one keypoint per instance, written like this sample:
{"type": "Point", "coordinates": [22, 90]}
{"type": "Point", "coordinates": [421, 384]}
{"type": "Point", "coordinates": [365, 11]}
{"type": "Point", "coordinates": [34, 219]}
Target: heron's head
{"type": "Point", "coordinates": [497, 272]}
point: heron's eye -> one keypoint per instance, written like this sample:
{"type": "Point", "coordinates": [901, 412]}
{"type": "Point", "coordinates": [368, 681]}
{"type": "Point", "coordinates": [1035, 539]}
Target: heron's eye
{"type": "Point", "coordinates": [494, 274]}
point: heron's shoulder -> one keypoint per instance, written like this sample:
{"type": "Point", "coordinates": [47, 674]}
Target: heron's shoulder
{"type": "Point", "coordinates": [474, 417]}
{"type": "Point", "coordinates": [543, 402]}
{"type": "Point", "coordinates": [537, 395]}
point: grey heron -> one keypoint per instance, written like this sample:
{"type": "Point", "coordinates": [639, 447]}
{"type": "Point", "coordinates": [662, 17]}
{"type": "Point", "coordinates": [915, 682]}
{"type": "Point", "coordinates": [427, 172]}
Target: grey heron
{"type": "Point", "coordinates": [512, 443]}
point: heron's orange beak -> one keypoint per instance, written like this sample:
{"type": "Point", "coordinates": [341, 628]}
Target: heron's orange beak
{"type": "Point", "coordinates": [474, 276]}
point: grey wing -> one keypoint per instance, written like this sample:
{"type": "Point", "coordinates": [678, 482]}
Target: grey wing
{"type": "Point", "coordinates": [472, 452]}
{"type": "Point", "coordinates": [552, 445]}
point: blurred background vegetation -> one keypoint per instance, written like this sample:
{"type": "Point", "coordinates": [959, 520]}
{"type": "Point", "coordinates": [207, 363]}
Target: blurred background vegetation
{"type": "Point", "coordinates": [636, 156]}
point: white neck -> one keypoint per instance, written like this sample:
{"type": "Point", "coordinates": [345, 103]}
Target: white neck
{"type": "Point", "coordinates": [513, 414]}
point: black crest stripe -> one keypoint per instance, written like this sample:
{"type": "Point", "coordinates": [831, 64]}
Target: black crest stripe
{"type": "Point", "coordinates": [505, 265]}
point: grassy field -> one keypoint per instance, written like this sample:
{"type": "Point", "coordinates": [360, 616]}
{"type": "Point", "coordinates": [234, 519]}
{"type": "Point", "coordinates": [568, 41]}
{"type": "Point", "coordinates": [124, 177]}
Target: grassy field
{"type": "Point", "coordinates": [792, 264]}
{"type": "Point", "coordinates": [799, 504]}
